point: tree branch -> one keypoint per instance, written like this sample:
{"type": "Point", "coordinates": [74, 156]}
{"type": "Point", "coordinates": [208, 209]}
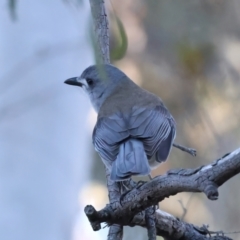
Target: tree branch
{"type": "Point", "coordinates": [191, 151]}
{"type": "Point", "coordinates": [114, 193]}
{"type": "Point", "coordinates": [101, 29]}
{"type": "Point", "coordinates": [172, 228]}
{"type": "Point", "coordinates": [205, 179]}
{"type": "Point", "coordinates": [101, 45]}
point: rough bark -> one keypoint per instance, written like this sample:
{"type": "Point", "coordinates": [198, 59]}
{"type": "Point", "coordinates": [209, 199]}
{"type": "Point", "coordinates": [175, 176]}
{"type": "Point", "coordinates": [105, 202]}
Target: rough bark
{"type": "Point", "coordinates": [101, 30]}
{"type": "Point", "coordinates": [101, 41]}
{"type": "Point", "coordinates": [129, 209]}
{"type": "Point", "coordinates": [114, 193]}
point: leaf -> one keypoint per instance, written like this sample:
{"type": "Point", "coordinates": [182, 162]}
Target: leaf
{"type": "Point", "coordinates": [120, 41]}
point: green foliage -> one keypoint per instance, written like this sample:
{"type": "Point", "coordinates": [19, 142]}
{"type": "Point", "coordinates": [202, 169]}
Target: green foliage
{"type": "Point", "coordinates": [120, 42]}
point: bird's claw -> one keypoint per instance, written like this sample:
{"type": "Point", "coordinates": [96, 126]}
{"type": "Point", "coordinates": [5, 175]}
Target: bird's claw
{"type": "Point", "coordinates": [138, 185]}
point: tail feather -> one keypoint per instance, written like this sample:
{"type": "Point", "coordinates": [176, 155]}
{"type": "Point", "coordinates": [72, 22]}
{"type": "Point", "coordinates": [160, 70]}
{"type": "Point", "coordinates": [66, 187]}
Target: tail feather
{"type": "Point", "coordinates": [131, 160]}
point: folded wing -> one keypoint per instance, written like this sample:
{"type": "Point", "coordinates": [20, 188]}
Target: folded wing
{"type": "Point", "coordinates": [154, 127]}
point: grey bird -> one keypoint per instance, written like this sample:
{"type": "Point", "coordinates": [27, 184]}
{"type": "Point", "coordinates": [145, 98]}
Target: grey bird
{"type": "Point", "coordinates": [134, 130]}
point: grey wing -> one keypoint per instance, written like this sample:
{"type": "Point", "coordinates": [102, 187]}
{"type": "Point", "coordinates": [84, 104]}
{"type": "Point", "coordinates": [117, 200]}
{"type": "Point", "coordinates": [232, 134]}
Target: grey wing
{"type": "Point", "coordinates": [107, 136]}
{"type": "Point", "coordinates": [154, 127]}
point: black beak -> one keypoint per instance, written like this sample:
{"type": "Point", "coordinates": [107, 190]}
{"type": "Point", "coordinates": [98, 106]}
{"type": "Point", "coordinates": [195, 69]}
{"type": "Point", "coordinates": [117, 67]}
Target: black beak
{"type": "Point", "coordinates": [73, 81]}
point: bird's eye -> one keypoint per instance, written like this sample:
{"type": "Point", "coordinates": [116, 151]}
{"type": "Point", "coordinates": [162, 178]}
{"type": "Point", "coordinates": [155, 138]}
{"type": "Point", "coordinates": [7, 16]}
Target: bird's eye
{"type": "Point", "coordinates": [89, 81]}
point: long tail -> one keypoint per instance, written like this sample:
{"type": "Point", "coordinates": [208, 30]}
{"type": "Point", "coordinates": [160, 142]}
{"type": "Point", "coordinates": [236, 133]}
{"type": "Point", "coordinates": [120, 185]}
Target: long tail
{"type": "Point", "coordinates": [131, 160]}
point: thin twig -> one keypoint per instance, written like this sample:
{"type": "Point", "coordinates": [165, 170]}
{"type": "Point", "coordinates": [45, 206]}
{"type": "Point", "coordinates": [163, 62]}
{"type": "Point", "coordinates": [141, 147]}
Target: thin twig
{"type": "Point", "coordinates": [191, 151]}
{"type": "Point", "coordinates": [185, 208]}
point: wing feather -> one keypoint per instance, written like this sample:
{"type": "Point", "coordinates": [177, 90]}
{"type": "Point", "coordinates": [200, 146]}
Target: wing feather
{"type": "Point", "coordinates": [151, 126]}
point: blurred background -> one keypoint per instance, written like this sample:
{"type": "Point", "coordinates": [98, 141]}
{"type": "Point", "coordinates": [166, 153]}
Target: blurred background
{"type": "Point", "coordinates": [187, 52]}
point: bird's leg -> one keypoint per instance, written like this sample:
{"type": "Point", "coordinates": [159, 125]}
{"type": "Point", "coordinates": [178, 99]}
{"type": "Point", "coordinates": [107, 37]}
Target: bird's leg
{"type": "Point", "coordinates": [150, 176]}
{"type": "Point", "coordinates": [127, 186]}
{"type": "Point", "coordinates": [191, 151]}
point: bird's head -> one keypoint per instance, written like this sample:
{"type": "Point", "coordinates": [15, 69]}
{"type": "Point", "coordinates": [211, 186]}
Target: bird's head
{"type": "Point", "coordinates": [99, 82]}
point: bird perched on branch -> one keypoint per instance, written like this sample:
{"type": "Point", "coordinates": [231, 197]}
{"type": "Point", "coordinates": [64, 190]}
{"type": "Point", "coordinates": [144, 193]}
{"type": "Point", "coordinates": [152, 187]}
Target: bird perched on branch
{"type": "Point", "coordinates": [134, 130]}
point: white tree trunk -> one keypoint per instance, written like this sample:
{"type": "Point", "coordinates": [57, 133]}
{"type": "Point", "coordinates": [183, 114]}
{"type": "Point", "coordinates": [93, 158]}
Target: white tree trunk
{"type": "Point", "coordinates": [44, 137]}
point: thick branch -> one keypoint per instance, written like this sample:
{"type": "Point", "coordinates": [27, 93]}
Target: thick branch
{"type": "Point", "coordinates": [101, 30]}
{"type": "Point", "coordinates": [205, 179]}
{"type": "Point", "coordinates": [172, 228]}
